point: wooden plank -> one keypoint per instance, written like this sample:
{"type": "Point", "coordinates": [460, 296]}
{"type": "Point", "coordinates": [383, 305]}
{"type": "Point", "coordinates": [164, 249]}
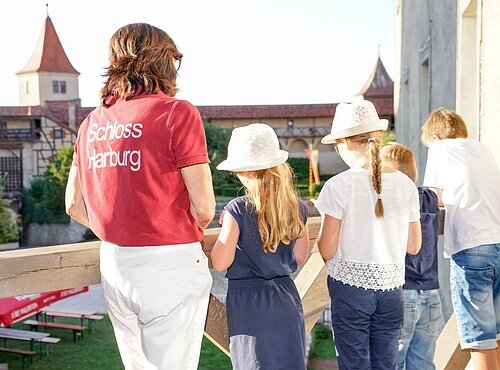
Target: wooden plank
{"type": "Point", "coordinates": [308, 273]}
{"type": "Point", "coordinates": [449, 355]}
{"type": "Point", "coordinates": [34, 270]}
{"type": "Point", "coordinates": [316, 299]}
{"type": "Point", "coordinates": [441, 221]}
{"type": "Point", "coordinates": [216, 325]}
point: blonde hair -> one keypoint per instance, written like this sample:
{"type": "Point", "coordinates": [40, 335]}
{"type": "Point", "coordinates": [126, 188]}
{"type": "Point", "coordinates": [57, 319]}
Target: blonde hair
{"type": "Point", "coordinates": [141, 59]}
{"type": "Point", "coordinates": [401, 158]}
{"type": "Point", "coordinates": [279, 217]}
{"type": "Point", "coordinates": [445, 124]}
{"type": "Point", "coordinates": [373, 140]}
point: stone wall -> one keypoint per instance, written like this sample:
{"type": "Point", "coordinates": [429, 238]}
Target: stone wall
{"type": "Point", "coordinates": [37, 235]}
{"type": "Point", "coordinates": [426, 41]}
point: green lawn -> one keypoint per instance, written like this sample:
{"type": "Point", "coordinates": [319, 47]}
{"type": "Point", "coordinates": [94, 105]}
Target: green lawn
{"type": "Point", "coordinates": [322, 346]}
{"type": "Point", "coordinates": [97, 351]}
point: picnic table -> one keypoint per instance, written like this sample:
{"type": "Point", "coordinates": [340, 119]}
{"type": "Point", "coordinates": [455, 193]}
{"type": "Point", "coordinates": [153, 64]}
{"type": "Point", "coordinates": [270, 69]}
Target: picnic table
{"type": "Point", "coordinates": [91, 316]}
{"type": "Point", "coordinates": [26, 356]}
{"type": "Point", "coordinates": [77, 329]}
{"type": "Point", "coordinates": [28, 336]}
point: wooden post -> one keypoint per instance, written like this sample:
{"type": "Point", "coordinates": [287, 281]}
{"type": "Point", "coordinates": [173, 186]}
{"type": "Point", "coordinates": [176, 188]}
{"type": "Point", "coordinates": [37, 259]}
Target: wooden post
{"type": "Point", "coordinates": [449, 355]}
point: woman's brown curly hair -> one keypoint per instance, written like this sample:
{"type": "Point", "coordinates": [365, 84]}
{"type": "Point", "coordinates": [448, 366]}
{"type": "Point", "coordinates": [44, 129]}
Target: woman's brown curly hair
{"type": "Point", "coordinates": [141, 60]}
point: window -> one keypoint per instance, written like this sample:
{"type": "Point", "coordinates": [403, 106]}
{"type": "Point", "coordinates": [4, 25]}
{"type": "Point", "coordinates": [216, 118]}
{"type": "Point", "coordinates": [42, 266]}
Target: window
{"type": "Point", "coordinates": [57, 134]}
{"type": "Point", "coordinates": [62, 86]}
{"type": "Point", "coordinates": [55, 87]}
{"type": "Point", "coordinates": [27, 87]}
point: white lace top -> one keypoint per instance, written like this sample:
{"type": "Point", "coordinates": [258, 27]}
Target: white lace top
{"type": "Point", "coordinates": [372, 250]}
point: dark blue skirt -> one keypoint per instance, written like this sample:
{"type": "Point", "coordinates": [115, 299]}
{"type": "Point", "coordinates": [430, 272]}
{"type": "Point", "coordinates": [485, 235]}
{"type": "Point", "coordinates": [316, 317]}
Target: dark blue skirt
{"type": "Point", "coordinates": [266, 324]}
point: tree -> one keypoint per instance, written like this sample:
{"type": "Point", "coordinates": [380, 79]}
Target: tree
{"type": "Point", "coordinates": [43, 202]}
{"type": "Point", "coordinates": [225, 183]}
{"type": "Point", "coordinates": [60, 165]}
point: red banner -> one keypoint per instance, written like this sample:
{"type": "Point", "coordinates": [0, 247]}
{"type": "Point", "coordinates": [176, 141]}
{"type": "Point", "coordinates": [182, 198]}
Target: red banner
{"type": "Point", "coordinates": [313, 156]}
{"type": "Point", "coordinates": [15, 309]}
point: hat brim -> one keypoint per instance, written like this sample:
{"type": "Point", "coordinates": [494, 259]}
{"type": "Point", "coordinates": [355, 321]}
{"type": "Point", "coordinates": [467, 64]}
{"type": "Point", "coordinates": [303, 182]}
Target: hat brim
{"type": "Point", "coordinates": [380, 125]}
{"type": "Point", "coordinates": [228, 165]}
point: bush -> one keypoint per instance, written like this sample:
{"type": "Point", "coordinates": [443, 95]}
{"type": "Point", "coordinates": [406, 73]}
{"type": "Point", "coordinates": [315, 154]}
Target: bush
{"type": "Point", "coordinates": [9, 231]}
{"type": "Point", "coordinates": [389, 136]}
{"type": "Point", "coordinates": [300, 168]}
{"type": "Point", "coordinates": [225, 183]}
{"type": "Point", "coordinates": [43, 202]}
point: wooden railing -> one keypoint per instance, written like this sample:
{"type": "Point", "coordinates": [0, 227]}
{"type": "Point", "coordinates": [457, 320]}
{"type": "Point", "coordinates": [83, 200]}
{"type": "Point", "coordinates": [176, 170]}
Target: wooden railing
{"type": "Point", "coordinates": [19, 134]}
{"type": "Point", "coordinates": [65, 266]}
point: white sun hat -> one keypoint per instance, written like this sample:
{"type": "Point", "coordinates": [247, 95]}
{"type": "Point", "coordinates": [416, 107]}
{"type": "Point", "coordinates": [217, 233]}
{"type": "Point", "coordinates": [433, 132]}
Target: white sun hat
{"type": "Point", "coordinates": [355, 118]}
{"type": "Point", "coordinates": [251, 148]}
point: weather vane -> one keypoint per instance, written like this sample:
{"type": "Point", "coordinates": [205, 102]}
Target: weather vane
{"type": "Point", "coordinates": [47, 8]}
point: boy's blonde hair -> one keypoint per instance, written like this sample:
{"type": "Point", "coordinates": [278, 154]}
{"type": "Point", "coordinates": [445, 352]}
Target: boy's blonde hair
{"type": "Point", "coordinates": [373, 140]}
{"type": "Point", "coordinates": [445, 124]}
{"type": "Point", "coordinates": [279, 216]}
{"type": "Point", "coordinates": [400, 158]}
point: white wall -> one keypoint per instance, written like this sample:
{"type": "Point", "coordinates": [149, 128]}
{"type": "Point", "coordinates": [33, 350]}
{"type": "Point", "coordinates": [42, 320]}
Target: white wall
{"type": "Point", "coordinates": [40, 87]}
{"type": "Point", "coordinates": [32, 96]}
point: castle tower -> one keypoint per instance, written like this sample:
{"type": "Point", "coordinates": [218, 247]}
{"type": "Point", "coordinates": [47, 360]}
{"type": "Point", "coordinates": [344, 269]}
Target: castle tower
{"type": "Point", "coordinates": [48, 75]}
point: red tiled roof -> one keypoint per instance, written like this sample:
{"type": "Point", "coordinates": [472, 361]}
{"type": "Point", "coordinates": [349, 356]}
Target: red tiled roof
{"type": "Point", "coordinates": [379, 84]}
{"type": "Point", "coordinates": [82, 113]}
{"type": "Point", "coordinates": [49, 55]}
{"type": "Point", "coordinates": [59, 115]}
{"type": "Point", "coordinates": [385, 108]}
{"type": "Point", "coordinates": [58, 111]}
{"type": "Point", "coordinates": [266, 111]}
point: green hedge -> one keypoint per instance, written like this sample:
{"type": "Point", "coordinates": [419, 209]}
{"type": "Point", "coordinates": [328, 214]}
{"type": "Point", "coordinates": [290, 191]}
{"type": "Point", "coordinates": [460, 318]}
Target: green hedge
{"type": "Point", "coordinates": [300, 168]}
{"type": "Point", "coordinates": [9, 230]}
{"type": "Point", "coordinates": [43, 202]}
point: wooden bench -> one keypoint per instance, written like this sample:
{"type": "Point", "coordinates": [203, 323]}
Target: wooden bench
{"type": "Point", "coordinates": [77, 329]}
{"type": "Point", "coordinates": [49, 315]}
{"type": "Point", "coordinates": [49, 342]}
{"type": "Point", "coordinates": [27, 356]}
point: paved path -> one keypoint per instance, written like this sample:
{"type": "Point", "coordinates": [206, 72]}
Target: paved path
{"type": "Point", "coordinates": [323, 365]}
{"type": "Point", "coordinates": [93, 300]}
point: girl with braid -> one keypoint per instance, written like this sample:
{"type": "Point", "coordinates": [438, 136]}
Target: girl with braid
{"type": "Point", "coordinates": [371, 219]}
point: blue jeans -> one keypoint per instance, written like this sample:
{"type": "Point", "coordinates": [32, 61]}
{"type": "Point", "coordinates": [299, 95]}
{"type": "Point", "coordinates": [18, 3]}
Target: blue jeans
{"type": "Point", "coordinates": [366, 324]}
{"type": "Point", "coordinates": [417, 342]}
{"type": "Point", "coordinates": [475, 293]}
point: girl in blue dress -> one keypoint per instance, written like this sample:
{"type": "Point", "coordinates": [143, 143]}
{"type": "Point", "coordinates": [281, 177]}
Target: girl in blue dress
{"type": "Point", "coordinates": [263, 239]}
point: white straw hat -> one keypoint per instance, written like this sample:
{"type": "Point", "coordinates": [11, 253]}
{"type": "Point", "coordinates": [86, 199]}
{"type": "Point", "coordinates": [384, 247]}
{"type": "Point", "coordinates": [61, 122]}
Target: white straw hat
{"type": "Point", "coordinates": [355, 118]}
{"type": "Point", "coordinates": [253, 147]}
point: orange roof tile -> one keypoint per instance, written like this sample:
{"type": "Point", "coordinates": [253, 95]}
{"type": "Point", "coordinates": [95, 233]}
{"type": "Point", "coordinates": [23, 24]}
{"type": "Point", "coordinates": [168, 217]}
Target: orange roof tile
{"type": "Point", "coordinates": [49, 55]}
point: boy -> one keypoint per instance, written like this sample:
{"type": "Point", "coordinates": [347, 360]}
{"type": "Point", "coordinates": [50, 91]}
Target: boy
{"type": "Point", "coordinates": [466, 178]}
{"type": "Point", "coordinates": [422, 307]}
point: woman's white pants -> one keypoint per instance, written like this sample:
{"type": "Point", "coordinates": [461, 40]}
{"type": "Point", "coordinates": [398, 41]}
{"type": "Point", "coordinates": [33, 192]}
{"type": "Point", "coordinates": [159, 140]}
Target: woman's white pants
{"type": "Point", "coordinates": [157, 299]}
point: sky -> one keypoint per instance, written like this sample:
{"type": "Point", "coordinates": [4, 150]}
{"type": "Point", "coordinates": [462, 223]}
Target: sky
{"type": "Point", "coordinates": [235, 51]}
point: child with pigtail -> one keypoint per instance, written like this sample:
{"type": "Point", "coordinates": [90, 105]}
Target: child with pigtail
{"type": "Point", "coordinates": [371, 220]}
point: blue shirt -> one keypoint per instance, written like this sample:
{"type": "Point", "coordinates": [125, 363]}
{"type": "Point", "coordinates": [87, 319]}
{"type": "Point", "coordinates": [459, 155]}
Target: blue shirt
{"type": "Point", "coordinates": [250, 261]}
{"type": "Point", "coordinates": [421, 270]}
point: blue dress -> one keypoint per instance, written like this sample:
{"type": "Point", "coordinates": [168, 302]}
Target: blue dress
{"type": "Point", "coordinates": [264, 310]}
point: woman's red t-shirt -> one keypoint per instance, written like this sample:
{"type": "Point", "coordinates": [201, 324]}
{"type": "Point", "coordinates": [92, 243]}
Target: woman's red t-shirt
{"type": "Point", "coordinates": [129, 159]}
